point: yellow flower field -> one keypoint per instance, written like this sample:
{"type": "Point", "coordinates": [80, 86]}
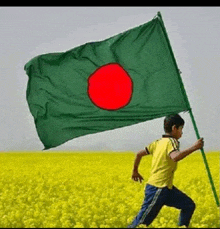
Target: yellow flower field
{"type": "Point", "coordinates": [91, 189]}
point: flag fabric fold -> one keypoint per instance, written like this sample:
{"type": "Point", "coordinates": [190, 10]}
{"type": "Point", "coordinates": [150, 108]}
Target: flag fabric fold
{"type": "Point", "coordinates": [58, 90]}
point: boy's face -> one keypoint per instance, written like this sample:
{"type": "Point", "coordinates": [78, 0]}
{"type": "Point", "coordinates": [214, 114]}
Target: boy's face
{"type": "Point", "coordinates": [177, 132]}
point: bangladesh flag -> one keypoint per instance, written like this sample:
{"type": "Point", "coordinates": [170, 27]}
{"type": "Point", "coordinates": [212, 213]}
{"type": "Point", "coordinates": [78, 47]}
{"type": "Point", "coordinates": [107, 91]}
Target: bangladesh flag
{"type": "Point", "coordinates": [123, 80]}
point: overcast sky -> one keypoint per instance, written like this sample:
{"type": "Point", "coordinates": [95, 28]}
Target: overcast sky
{"type": "Point", "coordinates": [26, 32]}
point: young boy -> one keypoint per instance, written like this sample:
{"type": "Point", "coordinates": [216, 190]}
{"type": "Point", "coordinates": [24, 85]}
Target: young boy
{"type": "Point", "coordinates": [159, 190]}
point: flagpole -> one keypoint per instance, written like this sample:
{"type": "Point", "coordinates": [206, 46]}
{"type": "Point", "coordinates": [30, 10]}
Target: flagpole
{"type": "Point", "coordinates": [191, 114]}
{"type": "Point", "coordinates": [204, 159]}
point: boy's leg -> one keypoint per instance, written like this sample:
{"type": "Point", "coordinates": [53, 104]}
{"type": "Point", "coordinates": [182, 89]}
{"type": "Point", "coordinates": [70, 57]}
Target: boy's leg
{"type": "Point", "coordinates": [151, 206]}
{"type": "Point", "coordinates": [181, 201]}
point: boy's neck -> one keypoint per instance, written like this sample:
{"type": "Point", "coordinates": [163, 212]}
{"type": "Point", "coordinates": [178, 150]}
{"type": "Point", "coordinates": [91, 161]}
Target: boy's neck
{"type": "Point", "coordinates": [169, 135]}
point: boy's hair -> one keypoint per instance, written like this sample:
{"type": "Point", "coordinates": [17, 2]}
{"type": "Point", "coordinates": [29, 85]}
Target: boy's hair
{"type": "Point", "coordinates": [171, 120]}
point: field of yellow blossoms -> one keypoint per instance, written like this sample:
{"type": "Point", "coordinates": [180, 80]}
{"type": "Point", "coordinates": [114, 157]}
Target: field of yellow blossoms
{"type": "Point", "coordinates": [93, 189]}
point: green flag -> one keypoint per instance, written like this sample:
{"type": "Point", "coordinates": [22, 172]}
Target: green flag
{"type": "Point", "coordinates": [123, 80]}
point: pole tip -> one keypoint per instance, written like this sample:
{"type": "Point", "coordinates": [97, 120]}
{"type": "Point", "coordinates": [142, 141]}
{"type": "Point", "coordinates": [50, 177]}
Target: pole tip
{"type": "Point", "coordinates": [159, 14]}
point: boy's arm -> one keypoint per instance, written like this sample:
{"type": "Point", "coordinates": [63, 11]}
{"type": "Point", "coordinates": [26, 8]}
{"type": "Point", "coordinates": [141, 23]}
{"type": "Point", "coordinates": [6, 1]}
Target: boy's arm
{"type": "Point", "coordinates": [135, 175]}
{"type": "Point", "coordinates": [179, 155]}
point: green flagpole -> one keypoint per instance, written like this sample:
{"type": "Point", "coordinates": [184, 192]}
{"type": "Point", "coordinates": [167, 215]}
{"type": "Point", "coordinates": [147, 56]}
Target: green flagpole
{"type": "Point", "coordinates": [204, 159]}
{"type": "Point", "coordinates": [191, 114]}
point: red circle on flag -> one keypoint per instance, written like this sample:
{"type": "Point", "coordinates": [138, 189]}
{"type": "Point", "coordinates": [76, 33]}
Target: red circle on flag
{"type": "Point", "coordinates": [110, 87]}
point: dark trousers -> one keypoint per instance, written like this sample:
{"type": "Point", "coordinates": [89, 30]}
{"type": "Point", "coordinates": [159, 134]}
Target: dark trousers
{"type": "Point", "coordinates": [156, 198]}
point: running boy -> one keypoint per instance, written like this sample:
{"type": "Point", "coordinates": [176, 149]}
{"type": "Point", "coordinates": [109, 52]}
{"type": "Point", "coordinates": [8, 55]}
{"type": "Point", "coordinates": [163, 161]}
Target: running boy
{"type": "Point", "coordinates": [159, 190]}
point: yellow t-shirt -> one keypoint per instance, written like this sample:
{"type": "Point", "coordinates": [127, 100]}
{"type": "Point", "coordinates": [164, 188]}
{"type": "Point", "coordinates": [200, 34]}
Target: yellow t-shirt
{"type": "Point", "coordinates": [163, 167]}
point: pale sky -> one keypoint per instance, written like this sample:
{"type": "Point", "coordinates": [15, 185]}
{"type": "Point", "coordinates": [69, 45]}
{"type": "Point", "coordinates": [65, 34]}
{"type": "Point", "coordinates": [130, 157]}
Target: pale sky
{"type": "Point", "coordinates": [26, 32]}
